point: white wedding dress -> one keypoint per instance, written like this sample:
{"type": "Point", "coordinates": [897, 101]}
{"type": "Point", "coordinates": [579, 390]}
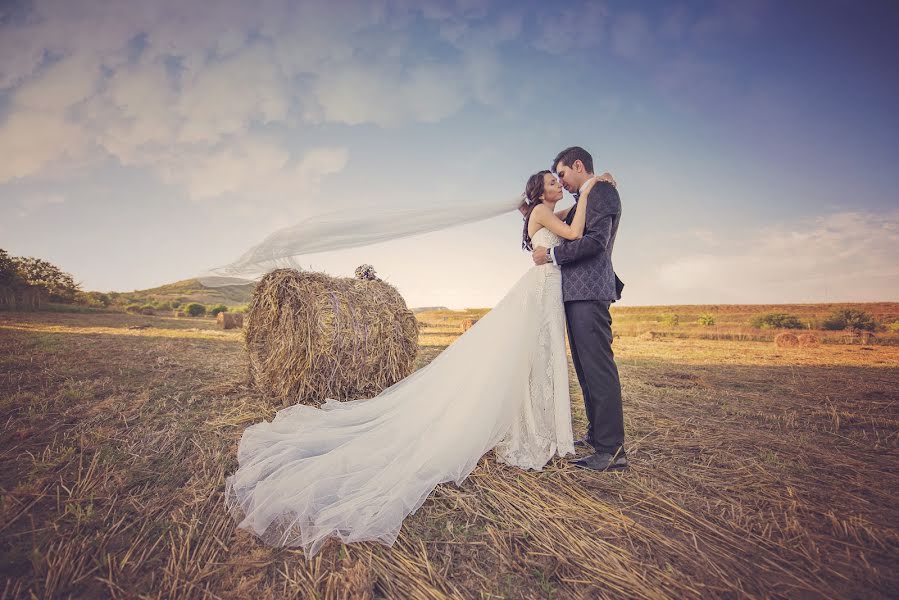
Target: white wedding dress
{"type": "Point", "coordinates": [354, 470]}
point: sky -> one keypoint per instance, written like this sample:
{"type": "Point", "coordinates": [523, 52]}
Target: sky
{"type": "Point", "coordinates": [755, 143]}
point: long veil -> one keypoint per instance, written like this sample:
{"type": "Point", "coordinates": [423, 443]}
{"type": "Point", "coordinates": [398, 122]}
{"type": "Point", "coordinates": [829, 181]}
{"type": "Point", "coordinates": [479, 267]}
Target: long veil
{"type": "Point", "coordinates": [347, 229]}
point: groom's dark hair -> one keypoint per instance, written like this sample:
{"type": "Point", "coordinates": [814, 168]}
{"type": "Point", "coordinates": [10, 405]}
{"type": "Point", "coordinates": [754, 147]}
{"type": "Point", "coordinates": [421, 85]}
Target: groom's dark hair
{"type": "Point", "coordinates": [569, 155]}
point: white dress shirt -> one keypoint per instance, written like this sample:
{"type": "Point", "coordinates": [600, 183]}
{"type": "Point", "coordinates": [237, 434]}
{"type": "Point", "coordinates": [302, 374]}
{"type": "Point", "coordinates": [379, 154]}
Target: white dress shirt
{"type": "Point", "coordinates": [552, 251]}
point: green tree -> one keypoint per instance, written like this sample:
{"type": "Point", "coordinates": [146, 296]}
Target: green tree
{"type": "Point", "coordinates": [9, 271]}
{"type": "Point", "coordinates": [195, 309]}
{"type": "Point", "coordinates": [218, 308]}
{"type": "Point", "coordinates": [849, 318]}
{"type": "Point", "coordinates": [59, 285]}
{"type": "Point", "coordinates": [706, 319]}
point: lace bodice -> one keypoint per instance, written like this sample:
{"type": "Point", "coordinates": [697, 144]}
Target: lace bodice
{"type": "Point", "coordinates": [546, 238]}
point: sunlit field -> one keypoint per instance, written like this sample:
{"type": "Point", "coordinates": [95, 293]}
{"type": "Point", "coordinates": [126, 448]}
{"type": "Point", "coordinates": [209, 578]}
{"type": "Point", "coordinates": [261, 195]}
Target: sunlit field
{"type": "Point", "coordinates": [756, 471]}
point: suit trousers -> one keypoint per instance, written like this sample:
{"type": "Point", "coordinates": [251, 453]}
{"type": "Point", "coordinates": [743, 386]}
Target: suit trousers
{"type": "Point", "coordinates": [590, 338]}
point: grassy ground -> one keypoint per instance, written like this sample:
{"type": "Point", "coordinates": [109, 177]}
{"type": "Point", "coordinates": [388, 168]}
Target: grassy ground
{"type": "Point", "coordinates": [756, 471]}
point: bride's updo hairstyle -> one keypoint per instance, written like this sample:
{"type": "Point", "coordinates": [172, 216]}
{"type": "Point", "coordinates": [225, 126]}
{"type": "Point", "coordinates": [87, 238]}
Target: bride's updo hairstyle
{"type": "Point", "coordinates": [532, 191]}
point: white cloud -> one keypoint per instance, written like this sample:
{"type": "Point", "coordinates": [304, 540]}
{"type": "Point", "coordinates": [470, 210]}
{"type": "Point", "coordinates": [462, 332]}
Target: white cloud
{"type": "Point", "coordinates": [31, 139]}
{"type": "Point", "coordinates": [157, 83]}
{"type": "Point", "coordinates": [386, 94]}
{"type": "Point", "coordinates": [225, 97]}
{"type": "Point", "coordinates": [256, 173]}
{"type": "Point", "coordinates": [61, 85]}
{"type": "Point", "coordinates": [842, 256]}
{"type": "Point", "coordinates": [573, 28]}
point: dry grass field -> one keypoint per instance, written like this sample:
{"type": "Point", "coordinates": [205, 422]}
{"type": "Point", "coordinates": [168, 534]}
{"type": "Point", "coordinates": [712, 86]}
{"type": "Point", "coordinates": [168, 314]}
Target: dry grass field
{"type": "Point", "coordinates": [756, 471]}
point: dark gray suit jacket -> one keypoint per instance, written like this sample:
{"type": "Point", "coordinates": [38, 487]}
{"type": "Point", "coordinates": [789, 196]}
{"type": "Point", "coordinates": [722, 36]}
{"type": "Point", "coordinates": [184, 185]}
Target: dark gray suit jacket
{"type": "Point", "coordinates": [587, 272]}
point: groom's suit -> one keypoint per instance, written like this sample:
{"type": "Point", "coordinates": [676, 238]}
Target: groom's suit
{"type": "Point", "coordinates": [589, 286]}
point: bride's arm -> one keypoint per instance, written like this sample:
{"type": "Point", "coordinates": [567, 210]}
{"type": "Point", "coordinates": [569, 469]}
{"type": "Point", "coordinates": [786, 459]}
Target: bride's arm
{"type": "Point", "coordinates": [575, 231]}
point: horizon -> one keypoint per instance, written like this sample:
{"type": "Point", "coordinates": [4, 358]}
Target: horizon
{"type": "Point", "coordinates": [753, 144]}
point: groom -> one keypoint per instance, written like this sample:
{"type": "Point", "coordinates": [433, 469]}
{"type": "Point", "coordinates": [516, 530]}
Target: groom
{"type": "Point", "coordinates": [589, 286]}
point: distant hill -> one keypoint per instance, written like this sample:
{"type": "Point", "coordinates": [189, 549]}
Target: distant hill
{"type": "Point", "coordinates": [428, 308]}
{"type": "Point", "coordinates": [191, 290]}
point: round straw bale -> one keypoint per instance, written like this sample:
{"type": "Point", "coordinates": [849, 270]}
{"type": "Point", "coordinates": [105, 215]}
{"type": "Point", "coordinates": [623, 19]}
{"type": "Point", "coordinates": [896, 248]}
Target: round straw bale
{"type": "Point", "coordinates": [227, 320]}
{"type": "Point", "coordinates": [786, 340]}
{"type": "Point", "coordinates": [808, 339]}
{"type": "Point", "coordinates": [311, 337]}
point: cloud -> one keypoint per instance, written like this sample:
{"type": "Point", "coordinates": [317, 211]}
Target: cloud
{"type": "Point", "coordinates": [152, 84]}
{"type": "Point", "coordinates": [574, 28]}
{"type": "Point", "coordinates": [256, 174]}
{"type": "Point", "coordinates": [841, 256]}
{"type": "Point", "coordinates": [32, 139]}
{"type": "Point", "coordinates": [225, 97]}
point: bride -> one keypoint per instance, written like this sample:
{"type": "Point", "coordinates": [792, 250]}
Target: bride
{"type": "Point", "coordinates": [354, 470]}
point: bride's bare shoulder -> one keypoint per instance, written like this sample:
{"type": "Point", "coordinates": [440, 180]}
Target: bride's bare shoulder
{"type": "Point", "coordinates": [538, 217]}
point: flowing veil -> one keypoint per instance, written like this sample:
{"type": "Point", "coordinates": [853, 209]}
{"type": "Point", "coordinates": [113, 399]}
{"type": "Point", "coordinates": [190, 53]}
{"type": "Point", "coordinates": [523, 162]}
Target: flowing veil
{"type": "Point", "coordinates": [341, 229]}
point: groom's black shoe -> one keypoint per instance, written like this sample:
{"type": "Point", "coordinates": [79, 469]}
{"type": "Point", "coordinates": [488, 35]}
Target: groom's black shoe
{"type": "Point", "coordinates": [603, 461]}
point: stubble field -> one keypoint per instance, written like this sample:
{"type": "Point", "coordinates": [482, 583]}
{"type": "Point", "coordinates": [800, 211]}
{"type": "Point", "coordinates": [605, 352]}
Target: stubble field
{"type": "Point", "coordinates": [756, 471]}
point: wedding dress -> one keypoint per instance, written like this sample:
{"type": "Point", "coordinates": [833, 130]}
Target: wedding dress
{"type": "Point", "coordinates": [354, 470]}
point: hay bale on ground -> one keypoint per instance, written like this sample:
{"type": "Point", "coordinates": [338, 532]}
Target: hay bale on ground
{"type": "Point", "coordinates": [227, 320]}
{"type": "Point", "coordinates": [180, 313]}
{"type": "Point", "coordinates": [786, 340]}
{"type": "Point", "coordinates": [311, 337]}
{"type": "Point", "coordinates": [808, 339]}
{"type": "Point", "coordinates": [468, 324]}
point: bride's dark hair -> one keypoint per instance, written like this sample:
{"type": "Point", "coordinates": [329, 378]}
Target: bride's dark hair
{"type": "Point", "coordinates": [532, 191]}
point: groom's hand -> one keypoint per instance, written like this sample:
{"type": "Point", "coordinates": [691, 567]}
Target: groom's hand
{"type": "Point", "coordinates": [539, 255]}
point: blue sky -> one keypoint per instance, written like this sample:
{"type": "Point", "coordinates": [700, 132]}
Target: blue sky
{"type": "Point", "coordinates": [755, 143]}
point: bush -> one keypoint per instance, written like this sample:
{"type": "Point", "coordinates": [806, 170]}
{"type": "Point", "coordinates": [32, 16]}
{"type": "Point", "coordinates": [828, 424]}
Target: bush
{"type": "Point", "coordinates": [776, 321]}
{"type": "Point", "coordinates": [849, 318]}
{"type": "Point", "coordinates": [195, 309]}
{"type": "Point", "coordinates": [241, 309]}
{"type": "Point", "coordinates": [175, 304]}
{"type": "Point", "coordinates": [706, 319]}
{"type": "Point", "coordinates": [894, 326]}
{"type": "Point", "coordinates": [93, 299]}
{"type": "Point", "coordinates": [218, 308]}
{"type": "Point", "coordinates": [132, 308]}
{"type": "Point", "coordinates": [670, 320]}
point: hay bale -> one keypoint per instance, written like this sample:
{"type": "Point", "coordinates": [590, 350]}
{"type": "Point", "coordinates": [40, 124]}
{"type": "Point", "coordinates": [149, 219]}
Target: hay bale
{"type": "Point", "coordinates": [468, 324]}
{"type": "Point", "coordinates": [786, 340]}
{"type": "Point", "coordinates": [180, 313]}
{"type": "Point", "coordinates": [311, 337]}
{"type": "Point", "coordinates": [227, 320]}
{"type": "Point", "coordinates": [808, 339]}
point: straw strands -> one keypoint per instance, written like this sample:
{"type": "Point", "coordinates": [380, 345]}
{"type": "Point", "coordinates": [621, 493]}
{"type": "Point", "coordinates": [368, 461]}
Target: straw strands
{"type": "Point", "coordinates": [311, 337]}
{"type": "Point", "coordinates": [774, 478]}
